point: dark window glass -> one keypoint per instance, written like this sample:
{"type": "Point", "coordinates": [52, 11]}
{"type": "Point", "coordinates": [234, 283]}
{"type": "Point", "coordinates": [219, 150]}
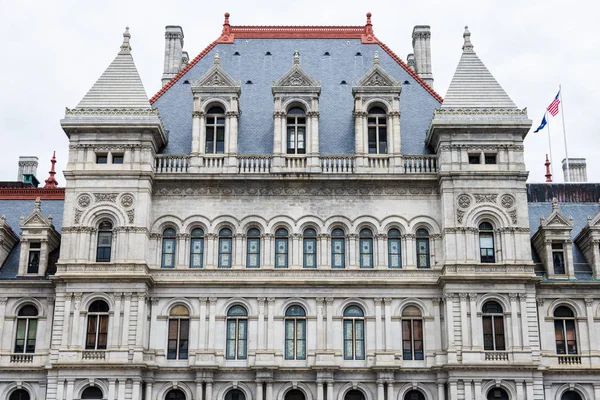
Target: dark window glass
{"type": "Point", "coordinates": [295, 394]}
{"type": "Point", "coordinates": [33, 261]}
{"type": "Point", "coordinates": [354, 333]}
{"type": "Point", "coordinates": [253, 251]}
{"type": "Point", "coordinates": [179, 331]}
{"type": "Point", "coordinates": [101, 159]}
{"type": "Point", "coordinates": [497, 394]}
{"type": "Point", "coordinates": [474, 159]}
{"type": "Point", "coordinates": [423, 249]}
{"type": "Point", "coordinates": [104, 246]}
{"type": "Point", "coordinates": [412, 334]}
{"type": "Point", "coordinates": [215, 131]}
{"type": "Point", "coordinates": [309, 245]}
{"type": "Point", "coordinates": [338, 250]}
{"type": "Point", "coordinates": [493, 326]}
{"type": "Point", "coordinates": [377, 131]}
{"type": "Point", "coordinates": [92, 392]}
{"type": "Point", "coordinates": [490, 159]}
{"type": "Point", "coordinates": [97, 326]}
{"type": "Point", "coordinates": [281, 248]}
{"type": "Point", "coordinates": [295, 333]}
{"type": "Point", "coordinates": [20, 394]}
{"type": "Point", "coordinates": [175, 394]}
{"type": "Point", "coordinates": [414, 395]}
{"type": "Point", "coordinates": [558, 258]}
{"type": "Point", "coordinates": [168, 248]}
{"type": "Point", "coordinates": [571, 395]}
{"type": "Point", "coordinates": [296, 131]}
{"type": "Point", "coordinates": [354, 395]}
{"type": "Point", "coordinates": [237, 333]}
{"type": "Point", "coordinates": [117, 158]}
{"type": "Point", "coordinates": [26, 329]}
{"type": "Point", "coordinates": [366, 248]}
{"type": "Point", "coordinates": [225, 244]}
{"type": "Point", "coordinates": [235, 394]}
{"type": "Point", "coordinates": [197, 248]}
{"type": "Point", "coordinates": [394, 249]}
{"type": "Point", "coordinates": [486, 243]}
{"type": "Point", "coordinates": [565, 331]}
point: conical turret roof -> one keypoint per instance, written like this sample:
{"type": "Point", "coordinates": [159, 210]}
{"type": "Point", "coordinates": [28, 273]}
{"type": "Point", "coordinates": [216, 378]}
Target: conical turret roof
{"type": "Point", "coordinates": [473, 85]}
{"type": "Point", "coordinates": [120, 85]}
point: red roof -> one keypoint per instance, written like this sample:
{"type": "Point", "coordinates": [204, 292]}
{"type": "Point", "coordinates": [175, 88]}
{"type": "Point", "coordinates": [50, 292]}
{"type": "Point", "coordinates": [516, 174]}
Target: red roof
{"type": "Point", "coordinates": [365, 33]}
{"type": "Point", "coordinates": [32, 194]}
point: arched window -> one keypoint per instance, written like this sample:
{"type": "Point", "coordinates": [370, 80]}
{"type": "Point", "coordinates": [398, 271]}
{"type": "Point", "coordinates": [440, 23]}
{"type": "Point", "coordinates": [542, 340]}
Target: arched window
{"type": "Point", "coordinates": [422, 248]}
{"type": "Point", "coordinates": [104, 247]}
{"type": "Point", "coordinates": [354, 395]}
{"type": "Point", "coordinates": [309, 244]}
{"type": "Point", "coordinates": [296, 131]}
{"type": "Point", "coordinates": [179, 333]}
{"type": "Point", "coordinates": [97, 326]}
{"type": "Point", "coordinates": [168, 248]}
{"type": "Point", "coordinates": [497, 394]}
{"type": "Point", "coordinates": [486, 243]}
{"type": "Point", "coordinates": [92, 392]}
{"type": "Point", "coordinates": [571, 395]}
{"type": "Point", "coordinates": [565, 331]}
{"type": "Point", "coordinates": [175, 394]}
{"type": "Point", "coordinates": [253, 242]}
{"type": "Point", "coordinates": [354, 333]}
{"type": "Point", "coordinates": [26, 329]}
{"type": "Point", "coordinates": [366, 248]}
{"type": "Point", "coordinates": [237, 333]}
{"type": "Point", "coordinates": [377, 124]}
{"type": "Point", "coordinates": [294, 394]}
{"type": "Point", "coordinates": [225, 236]}
{"type": "Point", "coordinates": [412, 334]}
{"type": "Point", "coordinates": [414, 395]}
{"type": "Point", "coordinates": [295, 333]}
{"type": "Point", "coordinates": [281, 248]}
{"type": "Point", "coordinates": [197, 248]}
{"type": "Point", "coordinates": [493, 326]}
{"type": "Point", "coordinates": [215, 130]}
{"type": "Point", "coordinates": [19, 394]}
{"type": "Point", "coordinates": [338, 249]}
{"type": "Point", "coordinates": [235, 394]}
{"type": "Point", "coordinates": [394, 253]}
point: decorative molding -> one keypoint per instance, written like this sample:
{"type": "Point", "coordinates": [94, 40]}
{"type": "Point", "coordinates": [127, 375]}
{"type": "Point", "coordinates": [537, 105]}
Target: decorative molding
{"type": "Point", "coordinates": [77, 215]}
{"type": "Point", "coordinates": [127, 200]}
{"type": "Point", "coordinates": [460, 214]}
{"type": "Point", "coordinates": [485, 198]}
{"type": "Point", "coordinates": [464, 201]}
{"type": "Point", "coordinates": [480, 111]}
{"type": "Point", "coordinates": [110, 197]}
{"type": "Point", "coordinates": [75, 112]}
{"type": "Point", "coordinates": [507, 201]}
{"type": "Point", "coordinates": [588, 301]}
{"type": "Point", "coordinates": [130, 215]}
{"type": "Point", "coordinates": [84, 200]}
{"type": "Point", "coordinates": [513, 216]}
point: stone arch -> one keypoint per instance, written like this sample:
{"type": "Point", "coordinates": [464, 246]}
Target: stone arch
{"type": "Point", "coordinates": [183, 301]}
{"type": "Point", "coordinates": [377, 102]}
{"type": "Point", "coordinates": [308, 395]}
{"type": "Point", "coordinates": [412, 301]}
{"type": "Point", "coordinates": [234, 385]}
{"type": "Point", "coordinates": [509, 387]}
{"type": "Point", "coordinates": [575, 387]}
{"type": "Point", "coordinates": [493, 213]}
{"type": "Point", "coordinates": [296, 102]}
{"type": "Point", "coordinates": [167, 221]}
{"type": "Point", "coordinates": [281, 221]}
{"type": "Point", "coordinates": [253, 221]}
{"type": "Point", "coordinates": [354, 301]}
{"type": "Point", "coordinates": [296, 301]}
{"type": "Point", "coordinates": [497, 297]}
{"type": "Point", "coordinates": [366, 222]}
{"type": "Point", "coordinates": [92, 216]}
{"type": "Point", "coordinates": [395, 222]}
{"type": "Point", "coordinates": [24, 301]}
{"type": "Point", "coordinates": [193, 222]}
{"type": "Point", "coordinates": [89, 298]}
{"type": "Point", "coordinates": [415, 386]}
{"type": "Point", "coordinates": [338, 220]}
{"type": "Point", "coordinates": [354, 386]}
{"type": "Point", "coordinates": [86, 383]}
{"type": "Point", "coordinates": [250, 308]}
{"type": "Point", "coordinates": [310, 221]}
{"type": "Point", "coordinates": [214, 101]}
{"type": "Point", "coordinates": [13, 386]}
{"type": "Point", "coordinates": [570, 303]}
{"type": "Point", "coordinates": [423, 221]}
{"type": "Point", "coordinates": [164, 389]}
{"type": "Point", "coordinates": [225, 221]}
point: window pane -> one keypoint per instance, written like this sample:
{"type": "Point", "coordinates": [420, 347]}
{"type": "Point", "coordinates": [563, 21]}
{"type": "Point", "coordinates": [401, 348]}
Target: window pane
{"type": "Point", "coordinates": [348, 338]}
{"type": "Point", "coordinates": [289, 339]}
{"type": "Point", "coordinates": [242, 333]}
{"type": "Point", "coordinates": [394, 253]}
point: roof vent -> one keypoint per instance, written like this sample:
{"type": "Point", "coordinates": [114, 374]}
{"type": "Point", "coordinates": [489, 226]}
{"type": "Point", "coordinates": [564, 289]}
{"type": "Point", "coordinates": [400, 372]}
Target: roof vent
{"type": "Point", "coordinates": [249, 82]}
{"type": "Point", "coordinates": [343, 83]}
{"type": "Point", "coordinates": [186, 82]}
{"type": "Point", "coordinates": [358, 53]}
{"type": "Point", "coordinates": [237, 53]}
{"type": "Point", "coordinates": [406, 83]}
{"type": "Point", "coordinates": [268, 53]}
{"type": "Point", "coordinates": [326, 53]}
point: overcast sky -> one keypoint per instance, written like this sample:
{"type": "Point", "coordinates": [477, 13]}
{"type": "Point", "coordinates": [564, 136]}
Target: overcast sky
{"type": "Point", "coordinates": [53, 52]}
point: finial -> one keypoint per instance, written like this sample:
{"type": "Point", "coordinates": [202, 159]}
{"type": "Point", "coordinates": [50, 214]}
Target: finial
{"type": "Point", "coordinates": [296, 58]}
{"type": "Point", "coordinates": [467, 46]}
{"type": "Point", "coordinates": [548, 174]}
{"type": "Point", "coordinates": [226, 19]}
{"type": "Point", "coordinates": [37, 204]}
{"type": "Point", "coordinates": [369, 25]}
{"type": "Point", "coordinates": [369, 18]}
{"type": "Point", "coordinates": [126, 47]}
{"type": "Point", "coordinates": [217, 59]}
{"type": "Point", "coordinates": [376, 58]}
{"type": "Point", "coordinates": [51, 182]}
{"type": "Point", "coordinates": [554, 204]}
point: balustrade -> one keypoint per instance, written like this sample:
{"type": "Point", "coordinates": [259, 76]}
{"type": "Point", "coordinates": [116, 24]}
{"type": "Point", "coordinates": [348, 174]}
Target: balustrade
{"type": "Point", "coordinates": [259, 164]}
{"type": "Point", "coordinates": [496, 356]}
{"type": "Point", "coordinates": [21, 358]}
{"type": "Point", "coordinates": [337, 164]}
{"type": "Point", "coordinates": [171, 163]}
{"type": "Point", "coordinates": [569, 360]}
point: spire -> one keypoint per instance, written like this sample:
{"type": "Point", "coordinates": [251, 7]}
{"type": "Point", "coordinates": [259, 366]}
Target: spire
{"type": "Point", "coordinates": [126, 47]}
{"type": "Point", "coordinates": [51, 182]}
{"type": "Point", "coordinates": [376, 58]}
{"type": "Point", "coordinates": [548, 174]}
{"type": "Point", "coordinates": [468, 46]}
{"type": "Point", "coordinates": [217, 59]}
{"type": "Point", "coordinates": [473, 85]}
{"type": "Point", "coordinates": [296, 58]}
{"type": "Point", "coordinates": [120, 85]}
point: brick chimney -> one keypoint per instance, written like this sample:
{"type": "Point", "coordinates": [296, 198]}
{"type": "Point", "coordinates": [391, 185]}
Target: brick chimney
{"type": "Point", "coordinates": [421, 40]}
{"type": "Point", "coordinates": [174, 54]}
{"type": "Point", "coordinates": [577, 170]}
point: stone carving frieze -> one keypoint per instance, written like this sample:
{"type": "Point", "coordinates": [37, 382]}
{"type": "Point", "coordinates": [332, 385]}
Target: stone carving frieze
{"type": "Point", "coordinates": [485, 198]}
{"type": "Point", "coordinates": [464, 201]}
{"type": "Point", "coordinates": [127, 200]}
{"type": "Point", "coordinates": [84, 200]}
{"type": "Point", "coordinates": [110, 197]}
{"type": "Point", "coordinates": [507, 201]}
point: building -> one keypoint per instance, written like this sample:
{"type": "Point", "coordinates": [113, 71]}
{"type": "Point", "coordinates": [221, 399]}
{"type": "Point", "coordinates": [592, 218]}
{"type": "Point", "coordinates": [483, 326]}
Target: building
{"type": "Point", "coordinates": [298, 215]}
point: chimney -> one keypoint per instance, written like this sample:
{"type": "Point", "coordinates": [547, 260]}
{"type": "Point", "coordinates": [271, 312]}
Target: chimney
{"type": "Point", "coordinates": [173, 52]}
{"type": "Point", "coordinates": [27, 166]}
{"type": "Point", "coordinates": [410, 61]}
{"type": "Point", "coordinates": [421, 40]}
{"type": "Point", "coordinates": [577, 170]}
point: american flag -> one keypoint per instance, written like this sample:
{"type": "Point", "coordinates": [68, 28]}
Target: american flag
{"type": "Point", "coordinates": [553, 107]}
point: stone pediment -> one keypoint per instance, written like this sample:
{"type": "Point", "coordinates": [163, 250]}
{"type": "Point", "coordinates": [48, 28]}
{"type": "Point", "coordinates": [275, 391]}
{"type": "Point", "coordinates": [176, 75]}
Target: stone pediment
{"type": "Point", "coordinates": [296, 77]}
{"type": "Point", "coordinates": [377, 79]}
{"type": "Point", "coordinates": [215, 78]}
{"type": "Point", "coordinates": [556, 219]}
{"type": "Point", "coordinates": [36, 219]}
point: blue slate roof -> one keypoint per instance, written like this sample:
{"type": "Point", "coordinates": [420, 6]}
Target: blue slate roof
{"type": "Point", "coordinates": [336, 104]}
{"type": "Point", "coordinates": [14, 210]}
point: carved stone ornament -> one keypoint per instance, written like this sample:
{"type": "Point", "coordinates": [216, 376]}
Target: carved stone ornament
{"type": "Point", "coordinates": [507, 201]}
{"type": "Point", "coordinates": [464, 201]}
{"type": "Point", "coordinates": [130, 215]}
{"type": "Point", "coordinates": [460, 214]}
{"type": "Point", "coordinates": [377, 80]}
{"type": "Point", "coordinates": [513, 216]}
{"type": "Point", "coordinates": [127, 200]}
{"type": "Point", "coordinates": [485, 198]}
{"type": "Point", "coordinates": [110, 197]}
{"type": "Point", "coordinates": [77, 216]}
{"type": "Point", "coordinates": [84, 200]}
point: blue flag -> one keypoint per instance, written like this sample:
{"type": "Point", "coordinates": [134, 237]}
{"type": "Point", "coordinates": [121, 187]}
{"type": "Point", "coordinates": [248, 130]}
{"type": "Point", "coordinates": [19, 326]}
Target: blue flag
{"type": "Point", "coordinates": [542, 125]}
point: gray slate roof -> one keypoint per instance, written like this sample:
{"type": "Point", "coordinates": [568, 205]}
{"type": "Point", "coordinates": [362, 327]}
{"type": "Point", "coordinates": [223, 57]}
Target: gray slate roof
{"type": "Point", "coordinates": [473, 85]}
{"type": "Point", "coordinates": [119, 86]}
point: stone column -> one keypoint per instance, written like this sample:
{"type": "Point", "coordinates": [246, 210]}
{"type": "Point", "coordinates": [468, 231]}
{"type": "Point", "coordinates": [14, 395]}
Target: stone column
{"type": "Point", "coordinates": [320, 338]}
{"type": "Point", "coordinates": [380, 251]}
{"type": "Point", "coordinates": [464, 323]}
{"type": "Point", "coordinates": [378, 327]}
{"type": "Point", "coordinates": [390, 389]}
{"type": "Point", "coordinates": [148, 391]}
{"type": "Point", "coordinates": [441, 391]}
{"type": "Point", "coordinates": [269, 390]}
{"type": "Point", "coordinates": [60, 390]}
{"type": "Point", "coordinates": [476, 328]}
{"type": "Point", "coordinates": [66, 319]}
{"type": "Point", "coordinates": [127, 311]}
{"type": "Point", "coordinates": [529, 389]}
{"type": "Point", "coordinates": [320, 394]}
{"type": "Point", "coordinates": [211, 329]}
{"type": "Point", "coordinates": [352, 251]}
{"type": "Point", "coordinates": [199, 388]}
{"type": "Point", "coordinates": [597, 390]}
{"type": "Point", "coordinates": [76, 320]}
{"type": "Point", "coordinates": [469, 390]}
{"type": "Point", "coordinates": [380, 390]}
{"type": "Point", "coordinates": [478, 393]}
{"type": "Point", "coordinates": [329, 329]}
{"type": "Point", "coordinates": [295, 258]}
{"type": "Point", "coordinates": [3, 301]}
{"type": "Point", "coordinates": [324, 251]}
{"type": "Point", "coordinates": [212, 251]}
{"type": "Point", "coordinates": [70, 387]}
{"type": "Point", "coordinates": [154, 334]}
{"type": "Point", "coordinates": [259, 390]}
{"type": "Point", "coordinates": [524, 320]}
{"type": "Point", "coordinates": [437, 324]}
{"type": "Point", "coordinates": [239, 247]}
{"type": "Point", "coordinates": [209, 390]}
{"type": "Point", "coordinates": [196, 143]}
{"type": "Point", "coordinates": [330, 389]}
{"type": "Point", "coordinates": [261, 324]}
{"type": "Point", "coordinates": [116, 321]}
{"type": "Point", "coordinates": [514, 320]}
{"type": "Point", "coordinates": [520, 391]}
{"type": "Point", "coordinates": [411, 256]}
{"type": "Point", "coordinates": [450, 321]}
{"type": "Point", "coordinates": [121, 391]}
{"type": "Point", "coordinates": [268, 254]}
{"type": "Point", "coordinates": [589, 314]}
{"type": "Point", "coordinates": [547, 391]}
{"type": "Point", "coordinates": [141, 320]}
{"type": "Point", "coordinates": [453, 390]}
{"type": "Point", "coordinates": [202, 330]}
{"type": "Point", "coordinates": [136, 389]}
{"type": "Point", "coordinates": [270, 323]}
{"type": "Point", "coordinates": [389, 342]}
{"type": "Point", "coordinates": [111, 389]}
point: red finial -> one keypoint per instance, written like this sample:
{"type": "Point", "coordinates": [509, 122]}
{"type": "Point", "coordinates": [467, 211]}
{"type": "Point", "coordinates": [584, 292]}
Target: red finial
{"type": "Point", "coordinates": [226, 19]}
{"type": "Point", "coordinates": [51, 182]}
{"type": "Point", "coordinates": [369, 26]}
{"type": "Point", "coordinates": [226, 28]}
{"type": "Point", "coordinates": [548, 174]}
{"type": "Point", "coordinates": [369, 18]}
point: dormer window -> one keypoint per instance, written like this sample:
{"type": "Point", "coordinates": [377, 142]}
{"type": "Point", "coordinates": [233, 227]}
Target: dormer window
{"type": "Point", "coordinates": [558, 258]}
{"type": "Point", "coordinates": [215, 131]}
{"type": "Point", "coordinates": [296, 131]}
{"type": "Point", "coordinates": [33, 261]}
{"type": "Point", "coordinates": [377, 134]}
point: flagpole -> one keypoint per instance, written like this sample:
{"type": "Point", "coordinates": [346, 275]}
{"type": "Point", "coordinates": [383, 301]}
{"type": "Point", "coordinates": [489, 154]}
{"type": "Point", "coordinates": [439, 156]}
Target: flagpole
{"type": "Point", "coordinates": [550, 145]}
{"type": "Point", "coordinates": [562, 116]}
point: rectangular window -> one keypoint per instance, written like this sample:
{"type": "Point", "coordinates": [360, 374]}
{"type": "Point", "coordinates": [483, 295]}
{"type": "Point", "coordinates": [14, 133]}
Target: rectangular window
{"type": "Point", "coordinates": [310, 253]}
{"type": "Point", "coordinates": [366, 253]}
{"type": "Point", "coordinates": [253, 253]}
{"type": "Point", "coordinates": [104, 246]}
{"type": "Point", "coordinates": [394, 259]}
{"type": "Point", "coordinates": [117, 158]}
{"type": "Point", "coordinates": [474, 159]}
{"type": "Point", "coordinates": [20, 339]}
{"type": "Point", "coordinates": [168, 253]}
{"type": "Point", "coordinates": [225, 253]}
{"type": "Point", "coordinates": [490, 159]}
{"type": "Point", "coordinates": [172, 343]}
{"type": "Point", "coordinates": [101, 158]}
{"type": "Point", "coordinates": [337, 253]}
{"type": "Point", "coordinates": [33, 263]}
{"type": "Point", "coordinates": [281, 253]}
{"type": "Point", "coordinates": [558, 258]}
{"type": "Point", "coordinates": [197, 253]}
{"type": "Point", "coordinates": [422, 253]}
{"type": "Point", "coordinates": [372, 140]}
{"type": "Point", "coordinates": [210, 141]}
{"type": "Point", "coordinates": [382, 140]}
